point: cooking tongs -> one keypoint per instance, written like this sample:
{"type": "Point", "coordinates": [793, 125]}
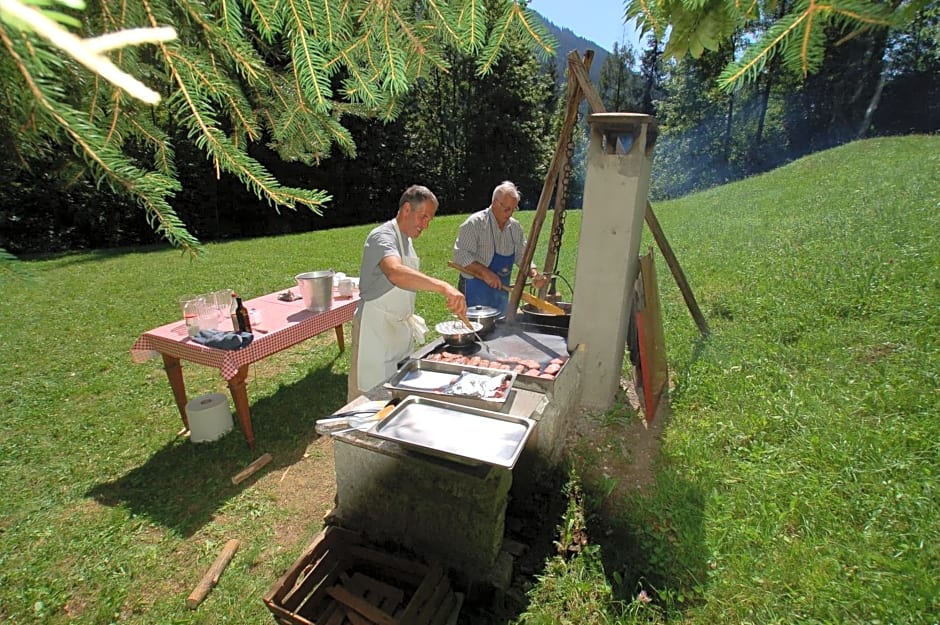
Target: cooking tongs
{"type": "Point", "coordinates": [541, 304]}
{"type": "Point", "coordinates": [358, 419]}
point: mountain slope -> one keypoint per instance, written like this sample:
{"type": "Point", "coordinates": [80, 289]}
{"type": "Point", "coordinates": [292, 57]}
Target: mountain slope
{"type": "Point", "coordinates": [568, 41]}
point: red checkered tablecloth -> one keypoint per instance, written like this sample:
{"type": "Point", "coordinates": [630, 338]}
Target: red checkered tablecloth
{"type": "Point", "coordinates": [283, 325]}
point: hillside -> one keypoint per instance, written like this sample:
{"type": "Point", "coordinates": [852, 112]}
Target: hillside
{"type": "Point", "coordinates": [568, 41]}
{"type": "Point", "coordinates": [794, 480]}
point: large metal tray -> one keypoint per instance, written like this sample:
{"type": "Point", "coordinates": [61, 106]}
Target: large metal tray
{"type": "Point", "coordinates": [424, 377]}
{"type": "Point", "coordinates": [460, 433]}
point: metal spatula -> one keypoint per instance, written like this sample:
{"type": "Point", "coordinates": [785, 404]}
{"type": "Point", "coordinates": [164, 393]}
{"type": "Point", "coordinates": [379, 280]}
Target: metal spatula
{"type": "Point", "coordinates": [494, 352]}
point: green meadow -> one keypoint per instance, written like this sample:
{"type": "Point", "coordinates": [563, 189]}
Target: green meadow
{"type": "Point", "coordinates": [796, 479]}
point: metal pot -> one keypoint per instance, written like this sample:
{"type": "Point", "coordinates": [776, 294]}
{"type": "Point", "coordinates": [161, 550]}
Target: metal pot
{"type": "Point", "coordinates": [316, 287]}
{"type": "Point", "coordinates": [486, 316]}
{"type": "Point", "coordinates": [531, 314]}
{"type": "Point", "coordinates": [456, 334]}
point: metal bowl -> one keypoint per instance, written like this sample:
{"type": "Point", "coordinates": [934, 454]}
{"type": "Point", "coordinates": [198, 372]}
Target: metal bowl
{"type": "Point", "coordinates": [456, 334]}
{"type": "Point", "coordinates": [485, 315]}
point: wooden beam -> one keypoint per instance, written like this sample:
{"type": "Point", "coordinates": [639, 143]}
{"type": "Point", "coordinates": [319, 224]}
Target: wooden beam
{"type": "Point", "coordinates": [248, 471]}
{"type": "Point", "coordinates": [360, 605]}
{"type": "Point", "coordinates": [584, 82]}
{"type": "Point", "coordinates": [571, 116]}
{"type": "Point", "coordinates": [561, 187]}
{"type": "Point", "coordinates": [676, 270]}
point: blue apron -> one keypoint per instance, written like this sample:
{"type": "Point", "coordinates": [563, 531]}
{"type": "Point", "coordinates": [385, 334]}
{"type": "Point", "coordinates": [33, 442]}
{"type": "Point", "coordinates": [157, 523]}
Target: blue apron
{"type": "Point", "coordinates": [477, 291]}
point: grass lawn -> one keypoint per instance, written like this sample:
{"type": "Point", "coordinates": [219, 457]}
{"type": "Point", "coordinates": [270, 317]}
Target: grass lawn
{"type": "Point", "coordinates": [797, 479]}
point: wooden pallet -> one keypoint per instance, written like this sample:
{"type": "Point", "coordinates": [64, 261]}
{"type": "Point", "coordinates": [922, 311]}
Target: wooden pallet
{"type": "Point", "coordinates": [341, 580]}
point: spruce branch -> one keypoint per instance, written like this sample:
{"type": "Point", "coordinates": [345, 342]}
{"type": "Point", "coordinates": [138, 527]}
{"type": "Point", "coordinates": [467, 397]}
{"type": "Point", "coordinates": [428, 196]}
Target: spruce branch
{"type": "Point", "coordinates": [109, 164]}
{"type": "Point", "coordinates": [88, 52]}
{"type": "Point", "coordinates": [542, 41]}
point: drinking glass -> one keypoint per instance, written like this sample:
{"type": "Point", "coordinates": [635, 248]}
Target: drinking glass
{"type": "Point", "coordinates": [208, 317]}
{"type": "Point", "coordinates": [254, 316]}
{"type": "Point", "coordinates": [193, 307]}
{"type": "Point", "coordinates": [222, 300]}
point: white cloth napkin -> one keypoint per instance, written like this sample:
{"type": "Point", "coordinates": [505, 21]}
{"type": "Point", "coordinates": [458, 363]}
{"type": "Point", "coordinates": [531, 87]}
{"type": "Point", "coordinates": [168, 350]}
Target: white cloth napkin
{"type": "Point", "coordinates": [418, 328]}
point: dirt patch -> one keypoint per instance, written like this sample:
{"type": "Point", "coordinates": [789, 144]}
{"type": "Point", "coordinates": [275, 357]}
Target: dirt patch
{"type": "Point", "coordinates": [617, 451]}
{"type": "Point", "coordinates": [305, 489]}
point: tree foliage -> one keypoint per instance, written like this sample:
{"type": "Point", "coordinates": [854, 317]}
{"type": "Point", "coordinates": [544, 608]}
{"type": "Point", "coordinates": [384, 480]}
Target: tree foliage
{"type": "Point", "coordinates": [619, 86]}
{"type": "Point", "coordinates": [797, 36]}
{"type": "Point", "coordinates": [282, 73]}
{"type": "Point", "coordinates": [468, 133]}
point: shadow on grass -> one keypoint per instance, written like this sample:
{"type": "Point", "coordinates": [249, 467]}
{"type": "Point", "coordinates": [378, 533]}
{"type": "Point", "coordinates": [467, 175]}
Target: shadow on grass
{"type": "Point", "coordinates": [183, 485]}
{"type": "Point", "coordinates": [656, 543]}
{"type": "Point", "coordinates": [680, 375]}
{"type": "Point", "coordinates": [80, 257]}
{"type": "Point", "coordinates": [648, 520]}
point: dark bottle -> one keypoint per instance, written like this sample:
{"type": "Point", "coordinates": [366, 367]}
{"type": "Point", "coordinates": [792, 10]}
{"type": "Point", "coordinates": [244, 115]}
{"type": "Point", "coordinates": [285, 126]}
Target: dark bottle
{"type": "Point", "coordinates": [231, 311]}
{"type": "Point", "coordinates": [241, 321]}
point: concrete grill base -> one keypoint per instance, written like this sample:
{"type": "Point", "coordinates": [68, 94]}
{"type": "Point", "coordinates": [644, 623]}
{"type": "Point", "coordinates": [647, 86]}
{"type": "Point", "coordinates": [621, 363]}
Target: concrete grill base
{"type": "Point", "coordinates": [446, 510]}
{"type": "Point", "coordinates": [452, 512]}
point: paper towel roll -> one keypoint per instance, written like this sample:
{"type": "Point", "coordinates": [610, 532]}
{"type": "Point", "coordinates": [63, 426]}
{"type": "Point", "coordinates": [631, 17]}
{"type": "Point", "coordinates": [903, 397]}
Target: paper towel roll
{"type": "Point", "coordinates": [209, 417]}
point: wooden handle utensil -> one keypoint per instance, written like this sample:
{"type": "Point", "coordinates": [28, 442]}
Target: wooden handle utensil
{"type": "Point", "coordinates": [528, 298]}
{"type": "Point", "coordinates": [466, 322]}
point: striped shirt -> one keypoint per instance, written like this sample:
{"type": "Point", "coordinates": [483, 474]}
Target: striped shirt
{"type": "Point", "coordinates": [478, 234]}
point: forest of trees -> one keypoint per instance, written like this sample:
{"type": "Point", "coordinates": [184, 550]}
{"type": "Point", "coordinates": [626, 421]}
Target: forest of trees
{"type": "Point", "coordinates": [461, 133]}
{"type": "Point", "coordinates": [872, 84]}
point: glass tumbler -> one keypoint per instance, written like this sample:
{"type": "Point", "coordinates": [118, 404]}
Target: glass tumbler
{"type": "Point", "coordinates": [222, 301]}
{"type": "Point", "coordinates": [193, 307]}
{"type": "Point", "coordinates": [208, 314]}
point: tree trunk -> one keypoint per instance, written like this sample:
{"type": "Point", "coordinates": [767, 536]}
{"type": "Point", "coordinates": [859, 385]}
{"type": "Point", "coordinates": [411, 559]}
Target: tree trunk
{"type": "Point", "coordinates": [764, 103]}
{"type": "Point", "coordinates": [651, 78]}
{"type": "Point", "coordinates": [728, 126]}
{"type": "Point", "coordinates": [876, 94]}
{"type": "Point", "coordinates": [782, 8]}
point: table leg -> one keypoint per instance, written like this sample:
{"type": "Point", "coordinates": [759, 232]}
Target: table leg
{"type": "Point", "coordinates": [239, 388]}
{"type": "Point", "coordinates": [340, 339]}
{"type": "Point", "coordinates": [174, 373]}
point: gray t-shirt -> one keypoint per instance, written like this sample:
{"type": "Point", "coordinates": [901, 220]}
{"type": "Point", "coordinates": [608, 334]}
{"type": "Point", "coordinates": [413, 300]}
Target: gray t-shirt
{"type": "Point", "coordinates": [381, 242]}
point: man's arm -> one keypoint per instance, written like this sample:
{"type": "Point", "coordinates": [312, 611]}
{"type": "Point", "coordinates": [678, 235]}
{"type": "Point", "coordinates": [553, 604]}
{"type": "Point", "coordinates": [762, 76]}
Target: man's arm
{"type": "Point", "coordinates": [404, 277]}
{"type": "Point", "coordinates": [467, 253]}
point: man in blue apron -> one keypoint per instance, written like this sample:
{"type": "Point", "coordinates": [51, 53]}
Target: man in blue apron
{"type": "Point", "coordinates": [386, 328]}
{"type": "Point", "coordinates": [489, 243]}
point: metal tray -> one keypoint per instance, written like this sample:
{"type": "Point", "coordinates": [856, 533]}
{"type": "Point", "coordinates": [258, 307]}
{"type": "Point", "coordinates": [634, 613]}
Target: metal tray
{"type": "Point", "coordinates": [423, 377]}
{"type": "Point", "coordinates": [460, 433]}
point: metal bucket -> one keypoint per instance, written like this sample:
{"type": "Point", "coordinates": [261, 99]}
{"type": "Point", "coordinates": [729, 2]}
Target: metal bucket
{"type": "Point", "coordinates": [316, 287]}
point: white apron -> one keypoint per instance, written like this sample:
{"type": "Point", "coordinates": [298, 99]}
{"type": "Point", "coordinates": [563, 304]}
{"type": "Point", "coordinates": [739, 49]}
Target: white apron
{"type": "Point", "coordinates": [388, 329]}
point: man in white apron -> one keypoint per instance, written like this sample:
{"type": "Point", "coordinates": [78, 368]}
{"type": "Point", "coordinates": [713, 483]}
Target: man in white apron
{"type": "Point", "coordinates": [386, 328]}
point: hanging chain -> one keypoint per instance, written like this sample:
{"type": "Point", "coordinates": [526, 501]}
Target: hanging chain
{"type": "Point", "coordinates": [559, 231]}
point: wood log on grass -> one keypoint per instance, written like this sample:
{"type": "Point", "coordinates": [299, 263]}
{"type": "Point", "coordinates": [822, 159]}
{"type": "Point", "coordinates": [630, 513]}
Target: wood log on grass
{"type": "Point", "coordinates": [211, 578]}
